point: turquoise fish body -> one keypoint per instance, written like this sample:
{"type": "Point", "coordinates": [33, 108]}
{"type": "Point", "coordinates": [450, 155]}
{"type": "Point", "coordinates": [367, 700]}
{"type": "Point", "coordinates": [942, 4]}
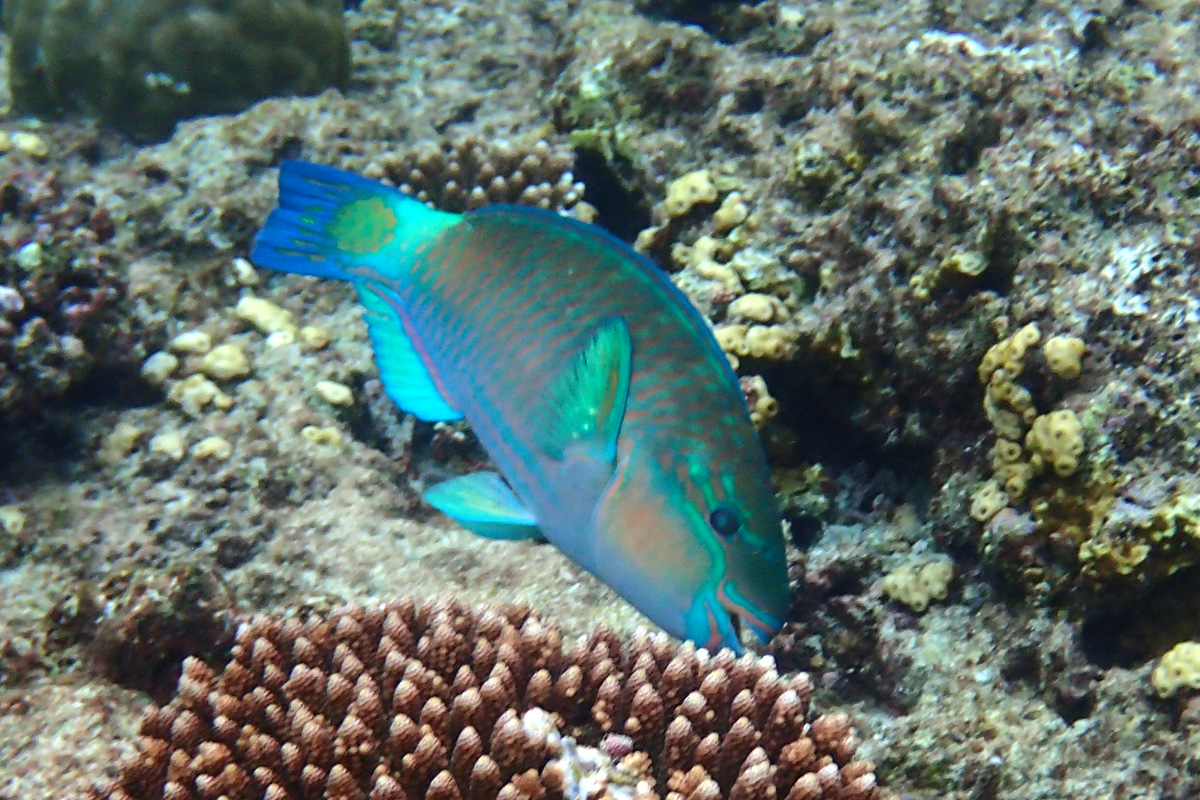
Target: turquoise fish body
{"type": "Point", "coordinates": [619, 430]}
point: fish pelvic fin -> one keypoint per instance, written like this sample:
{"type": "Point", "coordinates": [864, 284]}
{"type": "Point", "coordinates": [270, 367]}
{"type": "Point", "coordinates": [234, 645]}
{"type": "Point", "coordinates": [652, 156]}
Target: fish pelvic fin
{"type": "Point", "coordinates": [407, 377]}
{"type": "Point", "coordinates": [484, 504]}
{"type": "Point", "coordinates": [334, 224]}
{"type": "Point", "coordinates": [586, 403]}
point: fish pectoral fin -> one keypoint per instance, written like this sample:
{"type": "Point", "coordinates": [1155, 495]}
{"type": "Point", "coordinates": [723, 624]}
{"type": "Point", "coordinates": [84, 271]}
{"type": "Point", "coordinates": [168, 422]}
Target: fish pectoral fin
{"type": "Point", "coordinates": [586, 403]}
{"type": "Point", "coordinates": [484, 504]}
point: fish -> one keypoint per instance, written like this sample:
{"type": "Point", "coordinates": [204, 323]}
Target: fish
{"type": "Point", "coordinates": [616, 425]}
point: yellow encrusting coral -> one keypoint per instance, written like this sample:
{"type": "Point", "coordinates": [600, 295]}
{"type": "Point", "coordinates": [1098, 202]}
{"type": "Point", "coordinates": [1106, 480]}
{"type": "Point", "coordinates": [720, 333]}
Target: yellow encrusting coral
{"type": "Point", "coordinates": [916, 586]}
{"type": "Point", "coordinates": [988, 500]}
{"type": "Point", "coordinates": [1064, 356]}
{"type": "Point", "coordinates": [119, 442]}
{"type": "Point", "coordinates": [1178, 669]}
{"type": "Point", "coordinates": [775, 342]}
{"type": "Point", "coordinates": [314, 337]}
{"type": "Point", "coordinates": [763, 407]}
{"type": "Point", "coordinates": [244, 273]}
{"type": "Point", "coordinates": [746, 290]}
{"type": "Point", "coordinates": [732, 212]}
{"type": "Point", "coordinates": [1056, 440]}
{"type": "Point", "coordinates": [334, 393]}
{"type": "Point", "coordinates": [1027, 445]}
{"type": "Point", "coordinates": [193, 343]}
{"type": "Point", "coordinates": [158, 367]}
{"type": "Point", "coordinates": [1010, 468]}
{"type": "Point", "coordinates": [195, 392]}
{"type": "Point", "coordinates": [264, 315]}
{"type": "Point", "coordinates": [225, 362]}
{"type": "Point", "coordinates": [212, 447]}
{"type": "Point", "coordinates": [327, 437]}
{"type": "Point", "coordinates": [1009, 353]}
{"type": "Point", "coordinates": [757, 307]}
{"type": "Point", "coordinates": [1079, 531]}
{"type": "Point", "coordinates": [170, 444]}
{"type": "Point", "coordinates": [688, 191]}
{"type": "Point", "coordinates": [958, 269]}
{"type": "Point", "coordinates": [1152, 547]}
{"type": "Point", "coordinates": [1008, 405]}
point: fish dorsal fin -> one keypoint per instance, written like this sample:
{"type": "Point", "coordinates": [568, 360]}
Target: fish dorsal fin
{"type": "Point", "coordinates": [405, 375]}
{"type": "Point", "coordinates": [482, 503]}
{"type": "Point", "coordinates": [586, 403]}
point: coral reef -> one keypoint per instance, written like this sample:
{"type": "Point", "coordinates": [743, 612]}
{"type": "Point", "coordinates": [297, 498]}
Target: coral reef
{"type": "Point", "coordinates": [1051, 521]}
{"type": "Point", "coordinates": [443, 701]}
{"type": "Point", "coordinates": [143, 66]}
{"type": "Point", "coordinates": [898, 187]}
{"type": "Point", "coordinates": [922, 228]}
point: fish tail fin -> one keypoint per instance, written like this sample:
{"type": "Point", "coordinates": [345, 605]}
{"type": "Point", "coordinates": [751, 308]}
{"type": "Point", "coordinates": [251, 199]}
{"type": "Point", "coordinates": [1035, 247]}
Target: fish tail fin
{"type": "Point", "coordinates": [331, 223]}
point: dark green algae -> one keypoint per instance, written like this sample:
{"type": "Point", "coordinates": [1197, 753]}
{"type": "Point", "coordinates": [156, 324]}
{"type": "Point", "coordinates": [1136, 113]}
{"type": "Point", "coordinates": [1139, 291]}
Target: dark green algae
{"type": "Point", "coordinates": [141, 66]}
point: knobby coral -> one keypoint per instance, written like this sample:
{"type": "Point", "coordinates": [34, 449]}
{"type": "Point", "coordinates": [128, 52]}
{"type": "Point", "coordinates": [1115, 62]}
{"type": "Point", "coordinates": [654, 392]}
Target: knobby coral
{"type": "Point", "coordinates": [445, 702]}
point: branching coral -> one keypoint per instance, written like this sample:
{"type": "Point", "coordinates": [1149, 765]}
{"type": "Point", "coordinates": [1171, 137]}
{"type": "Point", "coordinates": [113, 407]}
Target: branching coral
{"type": "Point", "coordinates": [443, 702]}
{"type": "Point", "coordinates": [467, 174]}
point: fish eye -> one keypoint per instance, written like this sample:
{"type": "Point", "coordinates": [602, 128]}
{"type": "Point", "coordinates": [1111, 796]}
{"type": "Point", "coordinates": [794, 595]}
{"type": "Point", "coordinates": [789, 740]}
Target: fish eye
{"type": "Point", "coordinates": [724, 521]}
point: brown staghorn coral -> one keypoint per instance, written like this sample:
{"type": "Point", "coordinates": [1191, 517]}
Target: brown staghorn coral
{"type": "Point", "coordinates": [471, 173]}
{"type": "Point", "coordinates": [445, 702]}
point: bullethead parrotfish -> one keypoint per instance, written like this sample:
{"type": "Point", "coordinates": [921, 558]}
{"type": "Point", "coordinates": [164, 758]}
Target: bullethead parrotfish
{"type": "Point", "coordinates": [619, 431]}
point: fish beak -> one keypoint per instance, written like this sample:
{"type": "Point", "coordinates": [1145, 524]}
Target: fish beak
{"type": "Point", "coordinates": [721, 619]}
{"type": "Point", "coordinates": [762, 625]}
{"type": "Point", "coordinates": [762, 631]}
{"type": "Point", "coordinates": [747, 637]}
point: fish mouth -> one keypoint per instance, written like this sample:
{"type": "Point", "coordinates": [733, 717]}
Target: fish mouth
{"type": "Point", "coordinates": [744, 618]}
{"type": "Point", "coordinates": [746, 636]}
{"type": "Point", "coordinates": [721, 618]}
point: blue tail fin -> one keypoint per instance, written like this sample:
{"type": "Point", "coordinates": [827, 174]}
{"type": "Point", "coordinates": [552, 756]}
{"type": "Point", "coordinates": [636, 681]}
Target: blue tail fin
{"type": "Point", "coordinates": [330, 221]}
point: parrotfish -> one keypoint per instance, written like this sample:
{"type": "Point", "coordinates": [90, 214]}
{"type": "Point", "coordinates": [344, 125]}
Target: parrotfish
{"type": "Point", "coordinates": [618, 429]}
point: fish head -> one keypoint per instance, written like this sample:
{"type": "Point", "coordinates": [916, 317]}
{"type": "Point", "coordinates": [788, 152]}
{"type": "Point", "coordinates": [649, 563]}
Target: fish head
{"type": "Point", "coordinates": [732, 506]}
{"type": "Point", "coordinates": [696, 543]}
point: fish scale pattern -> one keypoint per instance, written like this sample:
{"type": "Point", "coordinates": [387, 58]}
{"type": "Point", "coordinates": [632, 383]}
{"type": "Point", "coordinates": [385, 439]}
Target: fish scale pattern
{"type": "Point", "coordinates": [435, 700]}
{"type": "Point", "coordinates": [517, 264]}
